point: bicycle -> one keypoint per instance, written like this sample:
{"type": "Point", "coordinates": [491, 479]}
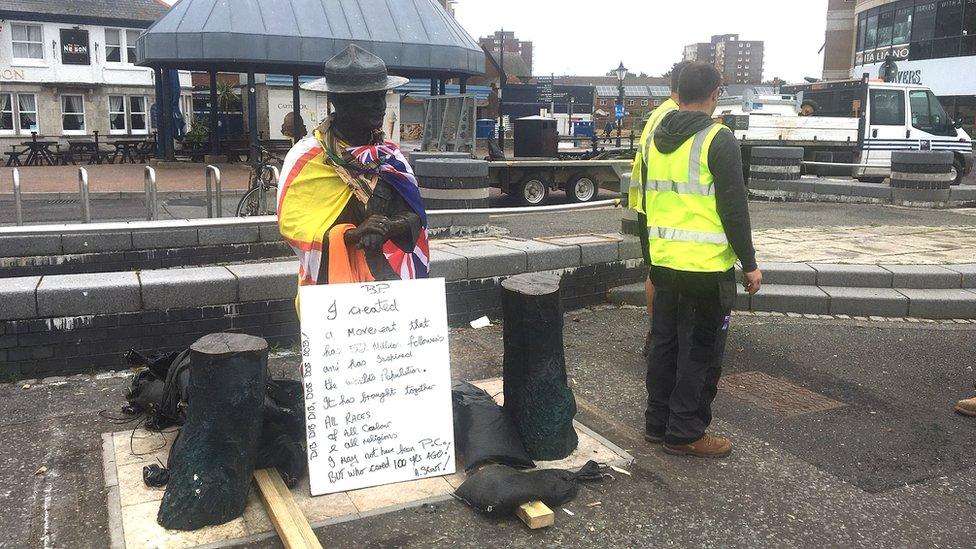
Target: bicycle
{"type": "Point", "coordinates": [261, 197]}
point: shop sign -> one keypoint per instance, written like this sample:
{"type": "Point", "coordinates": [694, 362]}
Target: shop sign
{"type": "Point", "coordinates": [11, 74]}
{"type": "Point", "coordinates": [897, 53]}
{"type": "Point", "coordinates": [74, 47]}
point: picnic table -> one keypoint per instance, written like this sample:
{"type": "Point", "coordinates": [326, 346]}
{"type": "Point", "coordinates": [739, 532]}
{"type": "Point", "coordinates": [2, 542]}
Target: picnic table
{"type": "Point", "coordinates": [13, 157]}
{"type": "Point", "coordinates": [39, 152]}
{"type": "Point", "coordinates": [128, 150]}
{"type": "Point", "coordinates": [87, 150]}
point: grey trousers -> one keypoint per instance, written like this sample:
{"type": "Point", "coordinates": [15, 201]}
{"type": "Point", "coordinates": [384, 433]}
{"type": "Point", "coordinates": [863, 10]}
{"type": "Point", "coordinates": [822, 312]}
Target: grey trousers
{"type": "Point", "coordinates": [689, 330]}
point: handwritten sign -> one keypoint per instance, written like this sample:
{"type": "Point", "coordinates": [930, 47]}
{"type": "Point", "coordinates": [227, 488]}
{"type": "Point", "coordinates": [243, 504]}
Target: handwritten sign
{"type": "Point", "coordinates": [377, 378]}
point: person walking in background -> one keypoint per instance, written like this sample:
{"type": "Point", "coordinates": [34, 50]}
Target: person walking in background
{"type": "Point", "coordinates": [638, 184]}
{"type": "Point", "coordinates": [608, 131]}
{"type": "Point", "coordinates": [698, 227]}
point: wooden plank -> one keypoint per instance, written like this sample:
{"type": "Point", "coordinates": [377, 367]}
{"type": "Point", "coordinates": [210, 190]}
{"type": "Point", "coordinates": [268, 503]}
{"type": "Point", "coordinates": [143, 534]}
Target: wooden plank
{"type": "Point", "coordinates": [536, 514]}
{"type": "Point", "coordinates": [287, 518]}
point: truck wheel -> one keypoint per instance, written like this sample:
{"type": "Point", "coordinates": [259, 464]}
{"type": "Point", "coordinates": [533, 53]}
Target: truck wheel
{"type": "Point", "coordinates": [957, 172]}
{"type": "Point", "coordinates": [581, 188]}
{"type": "Point", "coordinates": [532, 191]}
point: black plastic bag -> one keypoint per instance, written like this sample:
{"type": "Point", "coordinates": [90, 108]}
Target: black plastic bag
{"type": "Point", "coordinates": [497, 490]}
{"type": "Point", "coordinates": [483, 432]}
{"type": "Point", "coordinates": [160, 392]}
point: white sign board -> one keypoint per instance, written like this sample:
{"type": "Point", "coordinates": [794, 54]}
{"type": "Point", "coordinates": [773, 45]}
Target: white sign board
{"type": "Point", "coordinates": [377, 378]}
{"type": "Point", "coordinates": [946, 77]}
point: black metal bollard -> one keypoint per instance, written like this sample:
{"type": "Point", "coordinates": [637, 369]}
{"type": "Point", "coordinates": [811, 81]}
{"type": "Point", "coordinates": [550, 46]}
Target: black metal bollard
{"type": "Point", "coordinates": [537, 395]}
{"type": "Point", "coordinates": [213, 458]}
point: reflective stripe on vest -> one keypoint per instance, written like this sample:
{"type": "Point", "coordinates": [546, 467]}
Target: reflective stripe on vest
{"type": "Point", "coordinates": [684, 227]}
{"type": "Point", "coordinates": [667, 233]}
{"type": "Point", "coordinates": [635, 193]}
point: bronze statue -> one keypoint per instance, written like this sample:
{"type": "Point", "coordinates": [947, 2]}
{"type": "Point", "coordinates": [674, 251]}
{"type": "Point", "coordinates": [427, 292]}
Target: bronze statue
{"type": "Point", "coordinates": [347, 178]}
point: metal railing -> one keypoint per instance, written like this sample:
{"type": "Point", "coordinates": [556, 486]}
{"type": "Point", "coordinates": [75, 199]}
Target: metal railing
{"type": "Point", "coordinates": [213, 183]}
{"type": "Point", "coordinates": [18, 204]}
{"type": "Point", "coordinates": [83, 193]}
{"type": "Point", "coordinates": [152, 211]}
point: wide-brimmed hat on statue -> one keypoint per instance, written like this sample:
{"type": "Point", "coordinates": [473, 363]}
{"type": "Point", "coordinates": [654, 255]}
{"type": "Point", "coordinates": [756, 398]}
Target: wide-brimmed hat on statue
{"type": "Point", "coordinates": [355, 70]}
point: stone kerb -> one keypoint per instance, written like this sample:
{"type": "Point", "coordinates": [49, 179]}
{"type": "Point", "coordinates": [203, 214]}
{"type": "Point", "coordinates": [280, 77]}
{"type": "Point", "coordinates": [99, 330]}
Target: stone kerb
{"type": "Point", "coordinates": [921, 177]}
{"type": "Point", "coordinates": [776, 163]}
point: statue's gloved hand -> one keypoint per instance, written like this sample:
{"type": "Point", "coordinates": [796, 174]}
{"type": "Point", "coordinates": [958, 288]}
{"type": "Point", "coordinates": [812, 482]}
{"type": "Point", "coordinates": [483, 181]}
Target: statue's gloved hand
{"type": "Point", "coordinates": [370, 233]}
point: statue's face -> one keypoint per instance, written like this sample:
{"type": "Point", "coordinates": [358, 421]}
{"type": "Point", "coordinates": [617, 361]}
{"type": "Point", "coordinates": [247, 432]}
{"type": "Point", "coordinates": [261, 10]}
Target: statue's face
{"type": "Point", "coordinates": [360, 110]}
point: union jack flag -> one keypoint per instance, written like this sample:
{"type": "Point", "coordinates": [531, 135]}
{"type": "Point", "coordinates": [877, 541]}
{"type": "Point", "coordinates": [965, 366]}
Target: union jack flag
{"type": "Point", "coordinates": [386, 160]}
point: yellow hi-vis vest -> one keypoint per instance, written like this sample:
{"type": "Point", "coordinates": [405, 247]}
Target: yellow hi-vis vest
{"type": "Point", "coordinates": [683, 224]}
{"type": "Point", "coordinates": [639, 174]}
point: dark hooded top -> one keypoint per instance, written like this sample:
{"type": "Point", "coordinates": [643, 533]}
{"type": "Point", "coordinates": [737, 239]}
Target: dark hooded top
{"type": "Point", "coordinates": [725, 163]}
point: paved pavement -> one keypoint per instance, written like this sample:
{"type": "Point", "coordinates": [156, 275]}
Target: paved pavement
{"type": "Point", "coordinates": [890, 467]}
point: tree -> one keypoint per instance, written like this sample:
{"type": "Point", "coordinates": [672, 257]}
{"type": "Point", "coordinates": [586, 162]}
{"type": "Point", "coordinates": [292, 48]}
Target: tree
{"type": "Point", "coordinates": [775, 82]}
{"type": "Point", "coordinates": [670, 71]}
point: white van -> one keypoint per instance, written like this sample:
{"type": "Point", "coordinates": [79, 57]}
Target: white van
{"type": "Point", "coordinates": [859, 122]}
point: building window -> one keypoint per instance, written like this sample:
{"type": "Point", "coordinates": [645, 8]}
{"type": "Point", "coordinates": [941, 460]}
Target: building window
{"type": "Point", "coordinates": [18, 116]}
{"type": "Point", "coordinates": [902, 30]}
{"type": "Point", "coordinates": [603, 102]}
{"type": "Point", "coordinates": [72, 114]}
{"type": "Point", "coordinates": [630, 102]}
{"type": "Point", "coordinates": [871, 35]}
{"type": "Point", "coordinates": [127, 114]}
{"type": "Point", "coordinates": [27, 41]}
{"type": "Point", "coordinates": [6, 113]}
{"type": "Point", "coordinates": [119, 42]}
{"type": "Point", "coordinates": [27, 112]}
{"type": "Point", "coordinates": [644, 102]}
{"type": "Point", "coordinates": [116, 114]}
{"type": "Point", "coordinates": [137, 114]}
{"type": "Point", "coordinates": [113, 46]}
{"type": "Point", "coordinates": [949, 21]}
{"type": "Point", "coordinates": [130, 45]}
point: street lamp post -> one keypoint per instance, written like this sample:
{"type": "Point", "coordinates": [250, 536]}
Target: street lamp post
{"type": "Point", "coordinates": [621, 74]}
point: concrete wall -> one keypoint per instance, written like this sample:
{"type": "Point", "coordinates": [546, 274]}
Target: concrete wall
{"type": "Point", "coordinates": [839, 49]}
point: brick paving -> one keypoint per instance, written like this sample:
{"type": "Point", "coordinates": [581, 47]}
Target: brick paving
{"type": "Point", "coordinates": [868, 245]}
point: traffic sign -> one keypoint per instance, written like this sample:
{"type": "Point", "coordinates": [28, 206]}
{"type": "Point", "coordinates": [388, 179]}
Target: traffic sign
{"type": "Point", "coordinates": [620, 111]}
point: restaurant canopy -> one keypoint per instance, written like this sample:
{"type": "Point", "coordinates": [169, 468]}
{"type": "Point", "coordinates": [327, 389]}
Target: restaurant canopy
{"type": "Point", "coordinates": [416, 38]}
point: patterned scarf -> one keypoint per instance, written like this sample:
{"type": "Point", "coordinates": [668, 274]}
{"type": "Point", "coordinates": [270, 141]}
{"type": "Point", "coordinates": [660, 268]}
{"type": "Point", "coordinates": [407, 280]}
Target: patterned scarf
{"type": "Point", "coordinates": [385, 161]}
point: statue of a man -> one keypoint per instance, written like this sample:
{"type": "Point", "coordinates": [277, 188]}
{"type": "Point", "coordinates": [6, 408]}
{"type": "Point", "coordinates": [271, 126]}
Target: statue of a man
{"type": "Point", "coordinates": [348, 203]}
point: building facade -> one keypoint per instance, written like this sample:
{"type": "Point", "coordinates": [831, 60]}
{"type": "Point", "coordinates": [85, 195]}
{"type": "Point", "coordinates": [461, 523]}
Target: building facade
{"type": "Point", "coordinates": [639, 101]}
{"type": "Point", "coordinates": [507, 41]}
{"type": "Point", "coordinates": [933, 43]}
{"type": "Point", "coordinates": [67, 69]}
{"type": "Point", "coordinates": [839, 40]}
{"type": "Point", "coordinates": [739, 61]}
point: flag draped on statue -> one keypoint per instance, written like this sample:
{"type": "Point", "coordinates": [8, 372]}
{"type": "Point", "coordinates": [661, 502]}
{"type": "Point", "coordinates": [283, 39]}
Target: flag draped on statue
{"type": "Point", "coordinates": [312, 195]}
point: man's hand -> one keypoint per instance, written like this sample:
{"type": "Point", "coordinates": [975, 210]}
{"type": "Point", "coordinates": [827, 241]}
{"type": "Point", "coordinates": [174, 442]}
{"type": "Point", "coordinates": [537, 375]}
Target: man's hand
{"type": "Point", "coordinates": [370, 233]}
{"type": "Point", "coordinates": [752, 281]}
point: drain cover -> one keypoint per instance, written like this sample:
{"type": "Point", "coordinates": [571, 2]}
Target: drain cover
{"type": "Point", "coordinates": [776, 395]}
{"type": "Point", "coordinates": [62, 202]}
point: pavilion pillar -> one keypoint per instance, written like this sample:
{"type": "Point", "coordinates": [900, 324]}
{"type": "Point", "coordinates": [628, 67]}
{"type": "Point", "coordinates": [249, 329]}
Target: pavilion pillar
{"type": "Point", "coordinates": [296, 108]}
{"type": "Point", "coordinates": [464, 85]}
{"type": "Point", "coordinates": [433, 86]}
{"type": "Point", "coordinates": [166, 118]}
{"type": "Point", "coordinates": [214, 115]}
{"type": "Point", "coordinates": [443, 86]}
{"type": "Point", "coordinates": [160, 100]}
{"type": "Point", "coordinates": [252, 117]}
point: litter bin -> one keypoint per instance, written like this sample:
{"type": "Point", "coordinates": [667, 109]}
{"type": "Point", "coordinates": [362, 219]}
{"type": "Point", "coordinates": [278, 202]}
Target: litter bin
{"type": "Point", "coordinates": [485, 128]}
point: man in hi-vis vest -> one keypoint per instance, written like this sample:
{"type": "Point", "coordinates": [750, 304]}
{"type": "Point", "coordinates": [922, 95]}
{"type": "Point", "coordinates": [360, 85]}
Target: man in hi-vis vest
{"type": "Point", "coordinates": [698, 227]}
{"type": "Point", "coordinates": [638, 182]}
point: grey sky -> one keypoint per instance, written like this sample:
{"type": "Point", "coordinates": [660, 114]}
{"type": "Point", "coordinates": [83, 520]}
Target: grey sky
{"type": "Point", "coordinates": [573, 37]}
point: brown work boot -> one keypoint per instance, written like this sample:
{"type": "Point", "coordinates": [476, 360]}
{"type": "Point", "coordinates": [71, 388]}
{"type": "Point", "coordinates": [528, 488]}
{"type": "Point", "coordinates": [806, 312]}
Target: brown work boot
{"type": "Point", "coordinates": [707, 446]}
{"type": "Point", "coordinates": [966, 407]}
